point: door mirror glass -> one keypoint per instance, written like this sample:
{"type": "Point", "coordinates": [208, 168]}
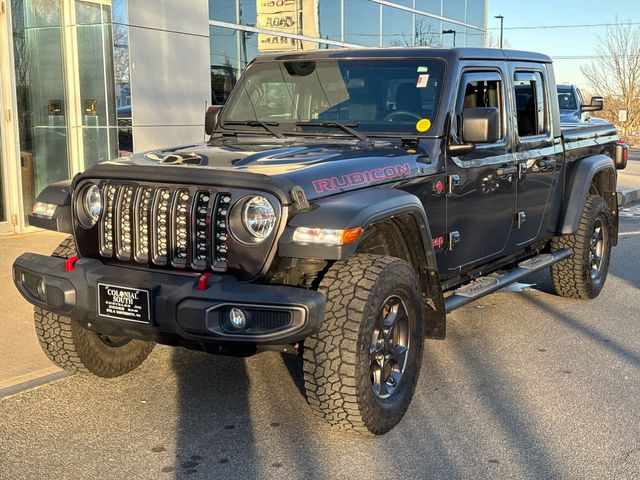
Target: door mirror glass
{"type": "Point", "coordinates": [481, 125]}
{"type": "Point", "coordinates": [211, 118]}
{"type": "Point", "coordinates": [597, 104]}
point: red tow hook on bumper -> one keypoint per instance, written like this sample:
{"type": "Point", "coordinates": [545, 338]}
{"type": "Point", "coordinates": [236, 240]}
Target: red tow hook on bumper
{"type": "Point", "coordinates": [202, 281]}
{"type": "Point", "coordinates": [70, 264]}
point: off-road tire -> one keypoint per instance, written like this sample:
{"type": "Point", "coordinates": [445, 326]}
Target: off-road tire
{"type": "Point", "coordinates": [76, 349]}
{"type": "Point", "coordinates": [337, 368]}
{"type": "Point", "coordinates": [572, 277]}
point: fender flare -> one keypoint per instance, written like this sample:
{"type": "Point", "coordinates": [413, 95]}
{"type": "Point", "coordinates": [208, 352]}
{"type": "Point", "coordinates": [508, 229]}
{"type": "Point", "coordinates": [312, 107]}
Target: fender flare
{"type": "Point", "coordinates": [365, 208]}
{"type": "Point", "coordinates": [58, 194]}
{"type": "Point", "coordinates": [579, 180]}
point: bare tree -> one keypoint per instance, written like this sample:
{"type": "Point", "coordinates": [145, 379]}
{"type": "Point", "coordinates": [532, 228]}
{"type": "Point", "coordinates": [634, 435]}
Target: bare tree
{"type": "Point", "coordinates": [615, 74]}
{"type": "Point", "coordinates": [493, 41]}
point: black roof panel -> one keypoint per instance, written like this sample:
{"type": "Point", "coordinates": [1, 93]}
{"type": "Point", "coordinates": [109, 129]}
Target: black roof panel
{"type": "Point", "coordinates": [456, 53]}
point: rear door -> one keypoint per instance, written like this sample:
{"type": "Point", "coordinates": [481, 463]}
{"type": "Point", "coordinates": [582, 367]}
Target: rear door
{"type": "Point", "coordinates": [538, 154]}
{"type": "Point", "coordinates": [481, 183]}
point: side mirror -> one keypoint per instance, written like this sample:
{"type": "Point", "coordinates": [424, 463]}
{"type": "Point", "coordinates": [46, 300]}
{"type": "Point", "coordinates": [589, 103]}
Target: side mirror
{"type": "Point", "coordinates": [480, 125]}
{"type": "Point", "coordinates": [211, 118]}
{"type": "Point", "coordinates": [597, 104]}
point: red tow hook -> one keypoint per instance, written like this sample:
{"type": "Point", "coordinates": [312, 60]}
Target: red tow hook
{"type": "Point", "coordinates": [69, 265]}
{"type": "Point", "coordinates": [202, 281]}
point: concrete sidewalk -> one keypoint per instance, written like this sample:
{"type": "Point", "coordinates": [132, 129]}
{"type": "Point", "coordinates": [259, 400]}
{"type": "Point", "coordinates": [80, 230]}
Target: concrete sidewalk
{"type": "Point", "coordinates": [629, 179]}
{"type": "Point", "coordinates": [21, 358]}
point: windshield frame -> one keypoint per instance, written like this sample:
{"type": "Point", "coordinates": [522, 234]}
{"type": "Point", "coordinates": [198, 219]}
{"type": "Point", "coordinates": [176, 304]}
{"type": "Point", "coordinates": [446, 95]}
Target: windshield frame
{"type": "Point", "coordinates": [433, 132]}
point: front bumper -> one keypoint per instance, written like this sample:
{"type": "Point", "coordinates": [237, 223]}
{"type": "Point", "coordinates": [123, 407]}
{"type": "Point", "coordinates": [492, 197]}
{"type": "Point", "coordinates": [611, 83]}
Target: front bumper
{"type": "Point", "coordinates": [180, 313]}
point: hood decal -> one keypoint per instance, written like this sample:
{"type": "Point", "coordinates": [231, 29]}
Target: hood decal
{"type": "Point", "coordinates": [376, 175]}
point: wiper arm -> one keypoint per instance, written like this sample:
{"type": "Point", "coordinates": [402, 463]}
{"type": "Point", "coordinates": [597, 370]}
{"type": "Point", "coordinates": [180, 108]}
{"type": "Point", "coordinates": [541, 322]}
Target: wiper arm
{"type": "Point", "coordinates": [342, 126]}
{"type": "Point", "coordinates": [257, 123]}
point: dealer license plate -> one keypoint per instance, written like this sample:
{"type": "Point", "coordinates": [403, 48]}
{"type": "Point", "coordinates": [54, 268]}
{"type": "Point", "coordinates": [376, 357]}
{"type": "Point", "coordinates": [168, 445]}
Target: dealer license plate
{"type": "Point", "coordinates": [123, 303]}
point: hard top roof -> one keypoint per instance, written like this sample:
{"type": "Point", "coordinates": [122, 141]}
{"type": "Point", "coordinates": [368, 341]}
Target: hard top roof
{"type": "Point", "coordinates": [450, 54]}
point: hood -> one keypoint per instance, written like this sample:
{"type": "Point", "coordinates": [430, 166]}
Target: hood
{"type": "Point", "coordinates": [319, 168]}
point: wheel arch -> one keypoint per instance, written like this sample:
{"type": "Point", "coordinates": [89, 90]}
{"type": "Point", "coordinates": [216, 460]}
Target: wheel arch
{"type": "Point", "coordinates": [378, 211]}
{"type": "Point", "coordinates": [593, 174]}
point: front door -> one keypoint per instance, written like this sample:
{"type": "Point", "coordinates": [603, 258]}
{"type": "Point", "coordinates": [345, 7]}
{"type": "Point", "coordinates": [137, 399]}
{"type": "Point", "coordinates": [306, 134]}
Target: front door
{"type": "Point", "coordinates": [482, 182]}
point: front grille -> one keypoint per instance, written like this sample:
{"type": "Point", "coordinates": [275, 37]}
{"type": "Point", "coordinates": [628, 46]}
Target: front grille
{"type": "Point", "coordinates": [165, 225]}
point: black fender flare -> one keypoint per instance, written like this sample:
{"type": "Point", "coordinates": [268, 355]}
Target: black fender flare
{"type": "Point", "coordinates": [365, 208]}
{"type": "Point", "coordinates": [580, 176]}
{"type": "Point", "coordinates": [58, 194]}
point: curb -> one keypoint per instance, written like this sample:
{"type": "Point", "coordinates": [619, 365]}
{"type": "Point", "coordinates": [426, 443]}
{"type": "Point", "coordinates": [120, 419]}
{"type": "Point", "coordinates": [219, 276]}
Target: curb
{"type": "Point", "coordinates": [628, 197]}
{"type": "Point", "coordinates": [36, 382]}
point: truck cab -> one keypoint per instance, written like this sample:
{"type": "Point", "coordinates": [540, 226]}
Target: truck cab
{"type": "Point", "coordinates": [345, 202]}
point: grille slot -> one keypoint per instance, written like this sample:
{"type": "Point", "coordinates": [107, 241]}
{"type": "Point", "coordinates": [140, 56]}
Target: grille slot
{"type": "Point", "coordinates": [164, 225]}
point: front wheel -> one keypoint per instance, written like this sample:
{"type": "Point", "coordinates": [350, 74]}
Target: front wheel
{"type": "Point", "coordinates": [362, 368]}
{"type": "Point", "coordinates": [583, 274]}
{"type": "Point", "coordinates": [76, 349]}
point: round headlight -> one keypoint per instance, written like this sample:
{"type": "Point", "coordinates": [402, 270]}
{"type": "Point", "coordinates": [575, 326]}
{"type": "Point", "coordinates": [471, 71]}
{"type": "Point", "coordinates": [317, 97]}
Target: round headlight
{"type": "Point", "coordinates": [258, 217]}
{"type": "Point", "coordinates": [91, 205]}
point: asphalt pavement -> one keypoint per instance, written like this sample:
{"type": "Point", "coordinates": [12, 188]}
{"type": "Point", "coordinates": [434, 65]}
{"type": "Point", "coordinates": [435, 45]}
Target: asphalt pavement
{"type": "Point", "coordinates": [526, 385]}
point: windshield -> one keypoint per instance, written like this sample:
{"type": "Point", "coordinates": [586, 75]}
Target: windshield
{"type": "Point", "coordinates": [566, 100]}
{"type": "Point", "coordinates": [373, 95]}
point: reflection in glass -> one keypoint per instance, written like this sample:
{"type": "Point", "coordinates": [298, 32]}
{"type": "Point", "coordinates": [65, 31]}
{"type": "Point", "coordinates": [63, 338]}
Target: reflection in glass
{"type": "Point", "coordinates": [430, 6]}
{"type": "Point", "coordinates": [41, 117]}
{"type": "Point", "coordinates": [223, 10]}
{"type": "Point", "coordinates": [428, 31]}
{"type": "Point", "coordinates": [454, 9]}
{"type": "Point", "coordinates": [451, 39]}
{"type": "Point", "coordinates": [362, 22]}
{"type": "Point", "coordinates": [96, 82]}
{"type": "Point", "coordinates": [397, 27]}
{"type": "Point", "coordinates": [224, 63]}
{"type": "Point", "coordinates": [122, 76]}
{"type": "Point", "coordinates": [476, 12]}
{"type": "Point", "coordinates": [329, 19]}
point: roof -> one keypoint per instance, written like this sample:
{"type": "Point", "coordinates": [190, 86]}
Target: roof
{"type": "Point", "coordinates": [454, 53]}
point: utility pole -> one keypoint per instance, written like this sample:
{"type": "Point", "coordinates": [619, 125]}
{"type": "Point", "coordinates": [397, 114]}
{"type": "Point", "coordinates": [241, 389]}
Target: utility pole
{"type": "Point", "coordinates": [454, 35]}
{"type": "Point", "coordinates": [501, 28]}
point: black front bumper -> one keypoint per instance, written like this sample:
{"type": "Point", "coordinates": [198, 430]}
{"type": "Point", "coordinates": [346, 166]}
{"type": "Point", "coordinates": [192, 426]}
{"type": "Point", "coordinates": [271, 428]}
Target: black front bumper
{"type": "Point", "coordinates": [180, 313]}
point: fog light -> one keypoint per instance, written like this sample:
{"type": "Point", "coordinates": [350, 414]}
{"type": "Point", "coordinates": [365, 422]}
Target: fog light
{"type": "Point", "coordinates": [237, 318]}
{"type": "Point", "coordinates": [41, 288]}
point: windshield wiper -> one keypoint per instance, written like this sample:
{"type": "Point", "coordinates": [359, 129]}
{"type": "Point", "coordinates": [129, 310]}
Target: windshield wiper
{"type": "Point", "coordinates": [342, 126]}
{"type": "Point", "coordinates": [257, 123]}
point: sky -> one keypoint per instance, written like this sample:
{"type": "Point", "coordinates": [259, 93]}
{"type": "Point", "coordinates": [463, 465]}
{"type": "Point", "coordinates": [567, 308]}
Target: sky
{"type": "Point", "coordinates": [560, 42]}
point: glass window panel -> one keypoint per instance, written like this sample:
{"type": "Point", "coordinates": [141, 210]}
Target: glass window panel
{"type": "Point", "coordinates": [454, 9]}
{"type": "Point", "coordinates": [122, 76]}
{"type": "Point", "coordinates": [428, 31]}
{"type": "Point", "coordinates": [96, 82]}
{"type": "Point", "coordinates": [362, 22]}
{"type": "Point", "coordinates": [405, 3]}
{"type": "Point", "coordinates": [455, 36]}
{"type": "Point", "coordinates": [223, 10]}
{"type": "Point", "coordinates": [248, 15]}
{"type": "Point", "coordinates": [41, 117]}
{"type": "Point", "coordinates": [475, 38]}
{"type": "Point", "coordinates": [397, 27]}
{"type": "Point", "coordinates": [430, 6]}
{"type": "Point", "coordinates": [224, 62]}
{"type": "Point", "coordinates": [476, 12]}
{"type": "Point", "coordinates": [329, 19]}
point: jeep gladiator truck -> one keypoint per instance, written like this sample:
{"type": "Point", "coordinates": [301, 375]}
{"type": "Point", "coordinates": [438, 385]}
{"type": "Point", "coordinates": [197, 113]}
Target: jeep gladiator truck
{"type": "Point", "coordinates": [346, 201]}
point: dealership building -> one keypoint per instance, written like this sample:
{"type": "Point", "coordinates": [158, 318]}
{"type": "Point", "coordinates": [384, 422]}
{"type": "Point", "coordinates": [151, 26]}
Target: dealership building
{"type": "Point", "coordinates": [83, 81]}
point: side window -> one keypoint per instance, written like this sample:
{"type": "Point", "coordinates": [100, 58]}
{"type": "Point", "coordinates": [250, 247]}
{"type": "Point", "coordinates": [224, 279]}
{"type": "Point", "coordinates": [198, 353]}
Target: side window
{"type": "Point", "coordinates": [531, 105]}
{"type": "Point", "coordinates": [480, 90]}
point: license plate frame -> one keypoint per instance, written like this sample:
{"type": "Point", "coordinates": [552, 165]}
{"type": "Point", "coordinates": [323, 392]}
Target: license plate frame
{"type": "Point", "coordinates": [133, 305]}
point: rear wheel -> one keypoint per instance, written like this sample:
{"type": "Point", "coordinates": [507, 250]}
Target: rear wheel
{"type": "Point", "coordinates": [362, 368]}
{"type": "Point", "coordinates": [76, 349]}
{"type": "Point", "coordinates": [583, 274]}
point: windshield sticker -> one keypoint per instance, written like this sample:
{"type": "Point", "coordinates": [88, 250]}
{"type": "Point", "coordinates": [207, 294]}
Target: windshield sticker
{"type": "Point", "coordinates": [423, 69]}
{"type": "Point", "coordinates": [423, 125]}
{"type": "Point", "coordinates": [423, 80]}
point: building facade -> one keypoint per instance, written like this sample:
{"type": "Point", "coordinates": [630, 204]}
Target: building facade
{"type": "Point", "coordinates": [83, 81]}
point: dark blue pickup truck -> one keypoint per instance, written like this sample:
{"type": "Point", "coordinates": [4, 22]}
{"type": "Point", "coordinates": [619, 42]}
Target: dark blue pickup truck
{"type": "Point", "coordinates": [345, 202]}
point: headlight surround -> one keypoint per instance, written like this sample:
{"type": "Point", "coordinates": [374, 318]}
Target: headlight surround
{"type": "Point", "coordinates": [258, 217]}
{"type": "Point", "coordinates": [252, 219]}
{"type": "Point", "coordinates": [89, 205]}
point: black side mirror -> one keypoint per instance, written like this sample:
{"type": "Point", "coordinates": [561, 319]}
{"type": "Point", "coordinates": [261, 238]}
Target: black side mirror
{"type": "Point", "coordinates": [211, 118]}
{"type": "Point", "coordinates": [480, 125]}
{"type": "Point", "coordinates": [597, 104]}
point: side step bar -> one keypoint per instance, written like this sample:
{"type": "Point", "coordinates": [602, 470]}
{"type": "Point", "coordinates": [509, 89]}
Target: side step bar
{"type": "Point", "coordinates": [485, 285]}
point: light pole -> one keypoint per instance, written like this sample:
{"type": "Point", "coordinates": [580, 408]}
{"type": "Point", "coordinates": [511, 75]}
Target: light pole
{"type": "Point", "coordinates": [501, 28]}
{"type": "Point", "coordinates": [454, 35]}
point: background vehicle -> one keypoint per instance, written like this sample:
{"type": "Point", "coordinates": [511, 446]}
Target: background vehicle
{"type": "Point", "coordinates": [572, 106]}
{"type": "Point", "coordinates": [345, 202]}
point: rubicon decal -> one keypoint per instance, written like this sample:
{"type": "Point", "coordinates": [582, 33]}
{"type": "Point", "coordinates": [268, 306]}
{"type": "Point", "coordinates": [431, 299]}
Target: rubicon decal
{"type": "Point", "coordinates": [361, 178]}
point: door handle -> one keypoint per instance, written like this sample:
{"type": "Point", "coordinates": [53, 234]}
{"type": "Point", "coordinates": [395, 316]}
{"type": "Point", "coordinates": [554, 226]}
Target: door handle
{"type": "Point", "coordinates": [503, 171]}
